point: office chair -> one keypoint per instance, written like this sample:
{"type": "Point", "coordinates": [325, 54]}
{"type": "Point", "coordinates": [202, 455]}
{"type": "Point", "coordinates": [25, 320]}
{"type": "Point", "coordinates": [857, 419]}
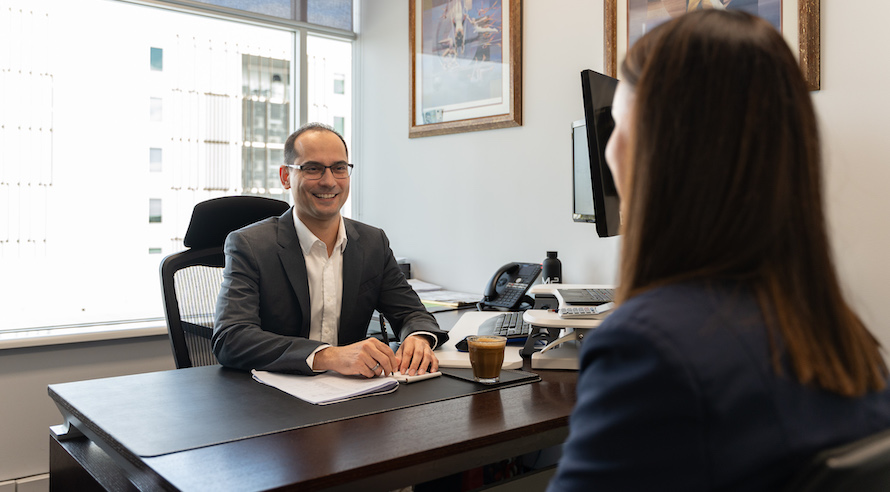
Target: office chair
{"type": "Point", "coordinates": [191, 279]}
{"type": "Point", "coordinates": [860, 466]}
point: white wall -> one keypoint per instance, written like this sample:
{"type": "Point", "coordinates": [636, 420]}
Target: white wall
{"type": "Point", "coordinates": [460, 205]}
{"type": "Point", "coordinates": [26, 410]}
{"type": "Point", "coordinates": [854, 107]}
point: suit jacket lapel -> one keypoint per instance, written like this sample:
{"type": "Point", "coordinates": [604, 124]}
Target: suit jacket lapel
{"type": "Point", "coordinates": [352, 273]}
{"type": "Point", "coordinates": [294, 264]}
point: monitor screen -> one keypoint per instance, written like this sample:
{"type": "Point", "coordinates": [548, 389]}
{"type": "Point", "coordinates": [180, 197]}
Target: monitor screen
{"type": "Point", "coordinates": [595, 195]}
{"type": "Point", "coordinates": [582, 187]}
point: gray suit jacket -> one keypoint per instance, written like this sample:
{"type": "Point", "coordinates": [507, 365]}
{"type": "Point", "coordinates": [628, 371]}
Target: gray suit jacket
{"type": "Point", "coordinates": [262, 313]}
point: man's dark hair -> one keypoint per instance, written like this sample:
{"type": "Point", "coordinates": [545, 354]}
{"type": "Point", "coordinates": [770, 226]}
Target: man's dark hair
{"type": "Point", "coordinates": [290, 153]}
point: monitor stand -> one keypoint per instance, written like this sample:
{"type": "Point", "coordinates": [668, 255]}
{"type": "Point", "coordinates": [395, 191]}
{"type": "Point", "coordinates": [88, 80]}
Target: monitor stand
{"type": "Point", "coordinates": [563, 357]}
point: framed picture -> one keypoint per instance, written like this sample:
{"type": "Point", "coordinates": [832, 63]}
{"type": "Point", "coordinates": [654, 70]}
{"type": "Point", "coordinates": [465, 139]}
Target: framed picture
{"type": "Point", "coordinates": [466, 65]}
{"type": "Point", "coordinates": [798, 20]}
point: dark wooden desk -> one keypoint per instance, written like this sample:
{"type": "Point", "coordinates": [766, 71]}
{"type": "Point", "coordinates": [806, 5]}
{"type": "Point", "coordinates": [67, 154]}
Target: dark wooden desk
{"type": "Point", "coordinates": [381, 451]}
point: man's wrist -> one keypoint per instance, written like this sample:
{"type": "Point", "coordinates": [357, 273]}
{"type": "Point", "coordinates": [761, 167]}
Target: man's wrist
{"type": "Point", "coordinates": [311, 359]}
{"type": "Point", "coordinates": [429, 337]}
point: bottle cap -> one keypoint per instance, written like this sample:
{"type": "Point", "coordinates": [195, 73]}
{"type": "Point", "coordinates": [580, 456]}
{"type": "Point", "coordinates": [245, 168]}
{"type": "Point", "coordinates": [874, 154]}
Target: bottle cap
{"type": "Point", "coordinates": [551, 254]}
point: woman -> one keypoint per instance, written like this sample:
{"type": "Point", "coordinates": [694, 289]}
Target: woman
{"type": "Point", "coordinates": [733, 357]}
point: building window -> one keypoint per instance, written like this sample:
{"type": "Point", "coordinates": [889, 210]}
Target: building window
{"type": "Point", "coordinates": [154, 210]}
{"type": "Point", "coordinates": [339, 124]}
{"type": "Point", "coordinates": [339, 83]}
{"type": "Point", "coordinates": [157, 59]}
{"type": "Point", "coordinates": [266, 108]}
{"type": "Point", "coordinates": [155, 160]}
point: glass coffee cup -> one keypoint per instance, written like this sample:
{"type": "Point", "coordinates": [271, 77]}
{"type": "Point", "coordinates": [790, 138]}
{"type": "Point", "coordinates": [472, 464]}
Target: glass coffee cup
{"type": "Point", "coordinates": [486, 357]}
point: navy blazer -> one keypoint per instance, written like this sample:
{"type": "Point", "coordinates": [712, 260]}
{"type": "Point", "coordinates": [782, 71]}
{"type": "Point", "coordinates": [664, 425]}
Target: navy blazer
{"type": "Point", "coordinates": [262, 312]}
{"type": "Point", "coordinates": [677, 392]}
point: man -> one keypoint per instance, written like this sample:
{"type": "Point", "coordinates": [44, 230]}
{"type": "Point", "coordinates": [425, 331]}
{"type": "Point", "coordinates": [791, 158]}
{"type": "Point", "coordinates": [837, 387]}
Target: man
{"type": "Point", "coordinates": [299, 290]}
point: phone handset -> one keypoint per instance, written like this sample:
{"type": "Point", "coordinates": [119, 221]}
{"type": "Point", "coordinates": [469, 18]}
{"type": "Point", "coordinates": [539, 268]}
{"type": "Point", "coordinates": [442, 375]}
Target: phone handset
{"type": "Point", "coordinates": [507, 287]}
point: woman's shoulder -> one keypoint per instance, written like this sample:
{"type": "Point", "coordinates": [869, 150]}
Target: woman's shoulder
{"type": "Point", "coordinates": [680, 300]}
{"type": "Point", "coordinates": [689, 313]}
{"type": "Point", "coordinates": [688, 299]}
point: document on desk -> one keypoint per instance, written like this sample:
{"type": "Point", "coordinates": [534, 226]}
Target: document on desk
{"type": "Point", "coordinates": [331, 387]}
{"type": "Point", "coordinates": [437, 296]}
{"type": "Point", "coordinates": [450, 298]}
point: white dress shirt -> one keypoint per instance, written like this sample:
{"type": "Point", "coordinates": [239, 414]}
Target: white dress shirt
{"type": "Point", "coordinates": [325, 276]}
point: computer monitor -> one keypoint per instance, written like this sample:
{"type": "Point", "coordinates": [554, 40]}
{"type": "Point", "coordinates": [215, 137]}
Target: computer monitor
{"type": "Point", "coordinates": [595, 197]}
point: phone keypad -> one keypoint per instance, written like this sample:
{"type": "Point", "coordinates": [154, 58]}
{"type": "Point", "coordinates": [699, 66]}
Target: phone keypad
{"type": "Point", "coordinates": [509, 297]}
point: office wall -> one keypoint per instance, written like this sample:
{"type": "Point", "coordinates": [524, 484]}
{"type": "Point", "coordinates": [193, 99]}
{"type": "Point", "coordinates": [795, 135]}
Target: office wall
{"type": "Point", "coordinates": [27, 412]}
{"type": "Point", "coordinates": [460, 205]}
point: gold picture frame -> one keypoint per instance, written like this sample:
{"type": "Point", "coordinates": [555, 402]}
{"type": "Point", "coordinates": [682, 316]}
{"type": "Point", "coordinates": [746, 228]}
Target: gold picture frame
{"type": "Point", "coordinates": [802, 29]}
{"type": "Point", "coordinates": [460, 84]}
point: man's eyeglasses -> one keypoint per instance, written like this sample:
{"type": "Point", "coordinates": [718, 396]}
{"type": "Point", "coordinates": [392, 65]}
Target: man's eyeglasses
{"type": "Point", "coordinates": [316, 171]}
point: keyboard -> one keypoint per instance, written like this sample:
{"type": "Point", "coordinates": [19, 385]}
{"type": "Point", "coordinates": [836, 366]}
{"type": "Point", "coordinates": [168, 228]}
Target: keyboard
{"type": "Point", "coordinates": [590, 297]}
{"type": "Point", "coordinates": [509, 325]}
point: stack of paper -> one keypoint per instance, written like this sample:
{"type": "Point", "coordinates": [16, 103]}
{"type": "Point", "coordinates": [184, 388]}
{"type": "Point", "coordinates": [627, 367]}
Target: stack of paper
{"type": "Point", "coordinates": [331, 387]}
{"type": "Point", "coordinates": [433, 294]}
{"type": "Point", "coordinates": [421, 286]}
{"type": "Point", "coordinates": [326, 388]}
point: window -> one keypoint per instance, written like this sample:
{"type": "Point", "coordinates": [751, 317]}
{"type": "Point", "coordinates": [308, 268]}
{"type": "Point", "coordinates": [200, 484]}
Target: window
{"type": "Point", "coordinates": [333, 13]}
{"type": "Point", "coordinates": [207, 101]}
{"type": "Point", "coordinates": [265, 88]}
{"type": "Point", "coordinates": [154, 210]}
{"type": "Point", "coordinates": [339, 83]}
{"type": "Point", "coordinates": [155, 160]}
{"type": "Point", "coordinates": [157, 59]}
{"type": "Point", "coordinates": [330, 13]}
{"type": "Point", "coordinates": [339, 124]}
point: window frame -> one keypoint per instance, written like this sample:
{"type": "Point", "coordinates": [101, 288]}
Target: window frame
{"type": "Point", "coordinates": [250, 17]}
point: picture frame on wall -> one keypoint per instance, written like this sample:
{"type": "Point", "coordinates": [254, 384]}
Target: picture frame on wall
{"type": "Point", "coordinates": [466, 66]}
{"type": "Point", "coordinates": [798, 21]}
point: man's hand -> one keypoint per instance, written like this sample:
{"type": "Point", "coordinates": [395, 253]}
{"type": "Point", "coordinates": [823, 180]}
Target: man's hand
{"type": "Point", "coordinates": [416, 356]}
{"type": "Point", "coordinates": [370, 358]}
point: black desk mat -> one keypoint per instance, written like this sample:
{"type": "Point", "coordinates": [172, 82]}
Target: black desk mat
{"type": "Point", "coordinates": [509, 377]}
{"type": "Point", "coordinates": [159, 413]}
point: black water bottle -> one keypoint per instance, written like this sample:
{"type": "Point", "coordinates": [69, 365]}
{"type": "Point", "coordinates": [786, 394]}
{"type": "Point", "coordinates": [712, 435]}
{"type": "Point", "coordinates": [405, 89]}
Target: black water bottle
{"type": "Point", "coordinates": [552, 269]}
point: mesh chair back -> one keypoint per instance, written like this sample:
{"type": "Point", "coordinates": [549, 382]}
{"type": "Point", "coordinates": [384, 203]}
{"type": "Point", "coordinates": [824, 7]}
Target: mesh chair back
{"type": "Point", "coordinates": [191, 279]}
{"type": "Point", "coordinates": [861, 466]}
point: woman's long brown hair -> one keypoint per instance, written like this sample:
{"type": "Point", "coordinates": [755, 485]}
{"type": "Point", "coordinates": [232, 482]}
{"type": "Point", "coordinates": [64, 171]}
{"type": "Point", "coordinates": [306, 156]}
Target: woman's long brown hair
{"type": "Point", "coordinates": [724, 181]}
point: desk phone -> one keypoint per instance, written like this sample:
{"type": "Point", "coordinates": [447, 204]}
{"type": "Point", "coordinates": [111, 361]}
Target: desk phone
{"type": "Point", "coordinates": [508, 286]}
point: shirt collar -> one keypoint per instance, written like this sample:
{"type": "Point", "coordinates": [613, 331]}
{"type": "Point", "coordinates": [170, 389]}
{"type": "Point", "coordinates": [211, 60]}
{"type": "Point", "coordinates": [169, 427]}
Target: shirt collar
{"type": "Point", "coordinates": [307, 239]}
